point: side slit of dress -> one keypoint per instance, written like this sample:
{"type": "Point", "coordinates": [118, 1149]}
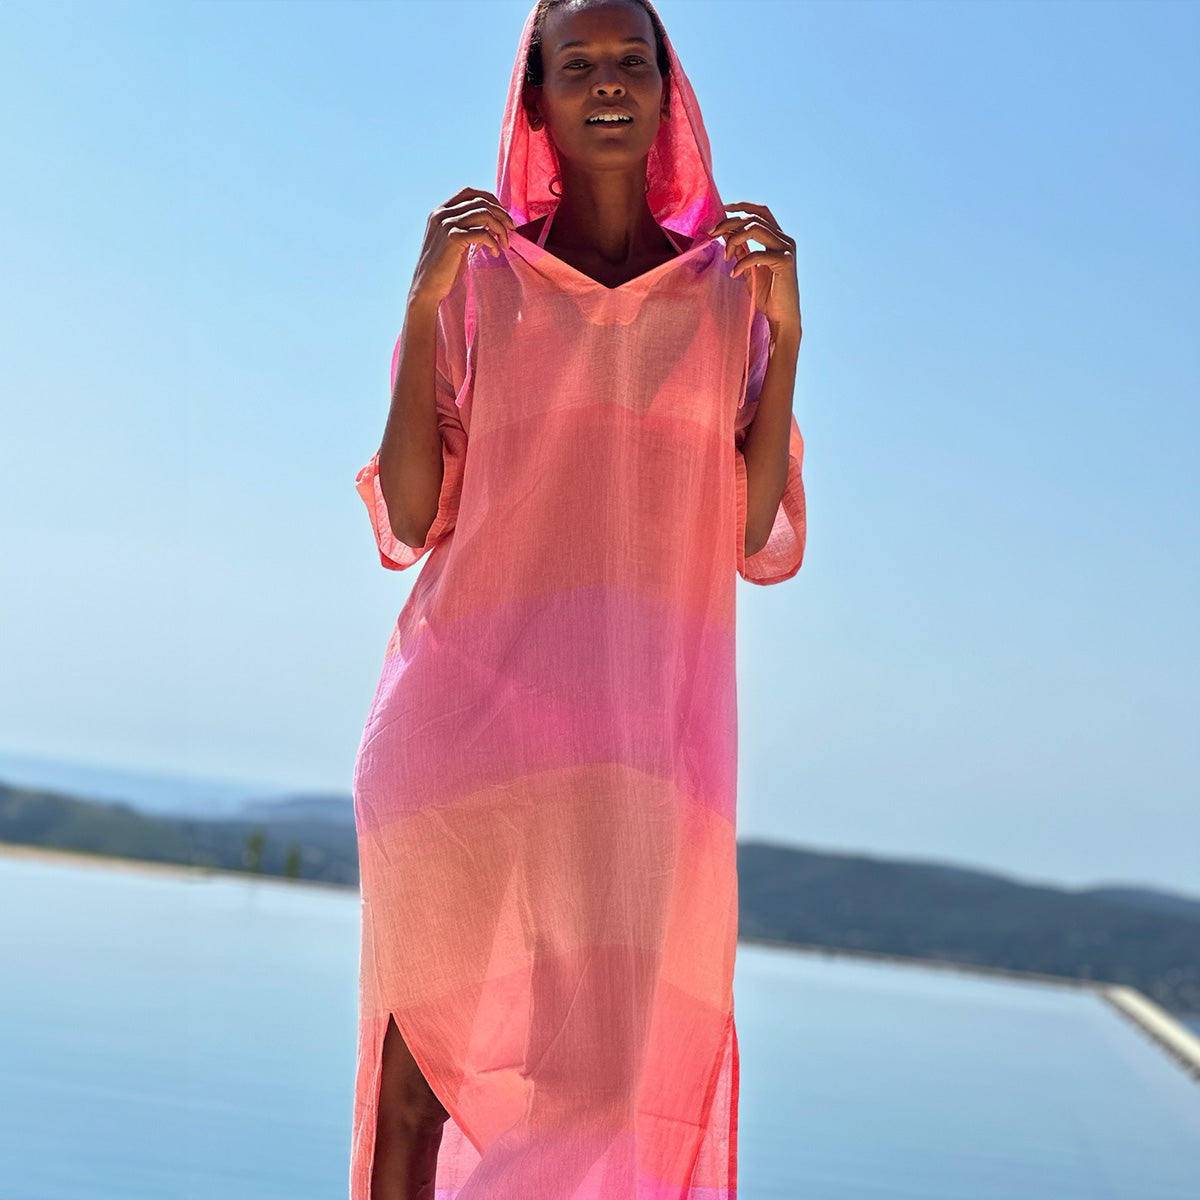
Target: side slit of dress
{"type": "Point", "coordinates": [373, 1123]}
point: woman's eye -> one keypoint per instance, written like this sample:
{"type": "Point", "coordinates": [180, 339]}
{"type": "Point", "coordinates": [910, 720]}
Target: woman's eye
{"type": "Point", "coordinates": [579, 62]}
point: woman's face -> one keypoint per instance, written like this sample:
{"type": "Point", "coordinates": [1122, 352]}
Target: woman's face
{"type": "Point", "coordinates": [598, 57]}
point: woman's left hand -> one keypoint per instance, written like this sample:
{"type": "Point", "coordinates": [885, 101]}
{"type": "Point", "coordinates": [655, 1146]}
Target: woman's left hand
{"type": "Point", "coordinates": [776, 288]}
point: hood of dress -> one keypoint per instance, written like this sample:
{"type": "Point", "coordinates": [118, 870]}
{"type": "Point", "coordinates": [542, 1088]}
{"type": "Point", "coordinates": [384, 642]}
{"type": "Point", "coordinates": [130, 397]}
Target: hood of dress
{"type": "Point", "coordinates": [681, 191]}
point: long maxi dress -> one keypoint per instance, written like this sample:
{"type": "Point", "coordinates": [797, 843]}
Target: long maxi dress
{"type": "Point", "coordinates": [545, 787]}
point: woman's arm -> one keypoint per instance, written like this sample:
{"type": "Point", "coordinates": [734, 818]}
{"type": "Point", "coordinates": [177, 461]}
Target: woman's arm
{"type": "Point", "coordinates": [771, 273]}
{"type": "Point", "coordinates": [765, 449]}
{"type": "Point", "coordinates": [410, 454]}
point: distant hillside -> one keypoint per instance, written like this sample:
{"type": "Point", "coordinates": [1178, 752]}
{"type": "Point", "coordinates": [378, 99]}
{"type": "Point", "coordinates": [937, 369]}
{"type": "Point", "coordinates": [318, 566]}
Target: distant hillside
{"type": "Point", "coordinates": [1148, 898]}
{"type": "Point", "coordinates": [298, 845]}
{"type": "Point", "coordinates": [327, 810]}
{"type": "Point", "coordinates": [952, 914]}
{"type": "Point", "coordinates": [1138, 936]}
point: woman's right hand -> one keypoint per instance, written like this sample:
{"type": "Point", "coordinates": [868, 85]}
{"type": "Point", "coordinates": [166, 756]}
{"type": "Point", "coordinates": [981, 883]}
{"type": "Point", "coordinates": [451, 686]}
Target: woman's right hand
{"type": "Point", "coordinates": [470, 217]}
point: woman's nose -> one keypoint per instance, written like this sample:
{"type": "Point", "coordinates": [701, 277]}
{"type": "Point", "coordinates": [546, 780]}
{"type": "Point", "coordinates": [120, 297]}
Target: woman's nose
{"type": "Point", "coordinates": [608, 85]}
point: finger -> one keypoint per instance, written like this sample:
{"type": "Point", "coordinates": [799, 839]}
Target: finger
{"type": "Point", "coordinates": [734, 225]}
{"type": "Point", "coordinates": [729, 227]}
{"type": "Point", "coordinates": [470, 207]}
{"type": "Point", "coordinates": [766, 258]}
{"type": "Point", "coordinates": [465, 193]}
{"type": "Point", "coordinates": [475, 218]}
{"type": "Point", "coordinates": [760, 209]}
{"type": "Point", "coordinates": [759, 233]}
{"type": "Point", "coordinates": [472, 217]}
{"type": "Point", "coordinates": [766, 217]}
{"type": "Point", "coordinates": [755, 227]}
{"type": "Point", "coordinates": [475, 237]}
{"type": "Point", "coordinates": [728, 223]}
{"type": "Point", "coordinates": [470, 198]}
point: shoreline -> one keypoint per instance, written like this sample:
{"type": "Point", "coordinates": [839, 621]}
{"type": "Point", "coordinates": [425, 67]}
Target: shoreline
{"type": "Point", "coordinates": [1164, 1029]}
{"type": "Point", "coordinates": [112, 862]}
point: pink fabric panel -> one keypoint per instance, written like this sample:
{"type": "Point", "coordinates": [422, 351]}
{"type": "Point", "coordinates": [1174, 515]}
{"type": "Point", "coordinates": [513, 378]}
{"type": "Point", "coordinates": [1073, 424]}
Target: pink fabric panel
{"type": "Point", "coordinates": [482, 684]}
{"type": "Point", "coordinates": [569, 1021]}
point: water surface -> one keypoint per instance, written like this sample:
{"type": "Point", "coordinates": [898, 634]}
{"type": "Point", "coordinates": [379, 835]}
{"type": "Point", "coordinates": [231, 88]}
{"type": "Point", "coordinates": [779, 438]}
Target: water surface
{"type": "Point", "coordinates": [173, 1038]}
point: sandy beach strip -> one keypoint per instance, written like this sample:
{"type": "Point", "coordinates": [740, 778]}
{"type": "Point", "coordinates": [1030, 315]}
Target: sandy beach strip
{"type": "Point", "coordinates": [109, 862]}
{"type": "Point", "coordinates": [1157, 1024]}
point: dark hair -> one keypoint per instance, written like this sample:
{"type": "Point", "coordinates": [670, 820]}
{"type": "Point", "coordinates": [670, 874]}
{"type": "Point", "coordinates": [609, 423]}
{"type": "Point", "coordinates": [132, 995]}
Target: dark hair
{"type": "Point", "coordinates": [533, 62]}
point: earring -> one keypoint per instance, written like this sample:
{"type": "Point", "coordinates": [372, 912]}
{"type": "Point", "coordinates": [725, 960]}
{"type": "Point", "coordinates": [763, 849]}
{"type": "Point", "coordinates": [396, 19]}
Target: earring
{"type": "Point", "coordinates": [553, 180]}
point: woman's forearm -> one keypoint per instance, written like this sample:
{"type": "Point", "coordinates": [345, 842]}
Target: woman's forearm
{"type": "Point", "coordinates": [765, 448]}
{"type": "Point", "coordinates": [410, 454]}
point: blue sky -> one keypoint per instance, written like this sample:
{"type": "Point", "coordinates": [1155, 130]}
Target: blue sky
{"type": "Point", "coordinates": [209, 217]}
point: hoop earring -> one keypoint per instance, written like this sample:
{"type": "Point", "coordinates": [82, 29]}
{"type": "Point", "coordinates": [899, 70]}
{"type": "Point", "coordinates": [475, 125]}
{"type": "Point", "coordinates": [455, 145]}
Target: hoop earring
{"type": "Point", "coordinates": [555, 179]}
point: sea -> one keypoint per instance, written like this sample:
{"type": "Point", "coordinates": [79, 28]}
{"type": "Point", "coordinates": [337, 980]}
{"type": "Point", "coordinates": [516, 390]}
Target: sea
{"type": "Point", "coordinates": [176, 1036]}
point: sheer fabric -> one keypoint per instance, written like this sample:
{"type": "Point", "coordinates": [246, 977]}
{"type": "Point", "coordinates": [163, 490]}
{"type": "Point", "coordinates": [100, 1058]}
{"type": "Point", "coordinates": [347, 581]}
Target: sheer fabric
{"type": "Point", "coordinates": [545, 787]}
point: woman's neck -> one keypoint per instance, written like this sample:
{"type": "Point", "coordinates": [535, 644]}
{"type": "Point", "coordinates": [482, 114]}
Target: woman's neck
{"type": "Point", "coordinates": [605, 213]}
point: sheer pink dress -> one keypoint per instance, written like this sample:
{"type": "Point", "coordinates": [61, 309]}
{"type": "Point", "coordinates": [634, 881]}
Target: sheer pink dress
{"type": "Point", "coordinates": [545, 787]}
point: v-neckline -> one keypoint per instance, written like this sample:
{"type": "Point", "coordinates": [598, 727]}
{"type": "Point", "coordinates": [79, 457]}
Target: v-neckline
{"type": "Point", "coordinates": [700, 242]}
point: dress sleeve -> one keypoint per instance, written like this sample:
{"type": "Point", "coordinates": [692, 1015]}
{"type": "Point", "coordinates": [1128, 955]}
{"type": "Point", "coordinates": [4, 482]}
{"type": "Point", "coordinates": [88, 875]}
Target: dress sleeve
{"type": "Point", "coordinates": [780, 558]}
{"type": "Point", "coordinates": [450, 386]}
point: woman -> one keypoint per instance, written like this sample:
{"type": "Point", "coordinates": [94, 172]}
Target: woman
{"type": "Point", "coordinates": [591, 435]}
